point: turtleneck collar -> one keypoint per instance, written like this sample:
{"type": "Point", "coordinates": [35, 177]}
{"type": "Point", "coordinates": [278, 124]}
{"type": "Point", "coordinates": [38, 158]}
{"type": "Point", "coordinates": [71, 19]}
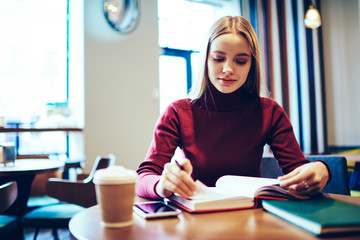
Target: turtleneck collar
{"type": "Point", "coordinates": [224, 102]}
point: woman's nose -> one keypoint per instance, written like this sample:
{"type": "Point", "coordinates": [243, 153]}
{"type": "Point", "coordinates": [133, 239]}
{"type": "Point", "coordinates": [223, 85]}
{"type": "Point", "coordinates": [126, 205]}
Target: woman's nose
{"type": "Point", "coordinates": [228, 69]}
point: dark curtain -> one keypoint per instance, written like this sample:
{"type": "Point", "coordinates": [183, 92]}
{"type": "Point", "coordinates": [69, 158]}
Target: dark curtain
{"type": "Point", "coordinates": [292, 65]}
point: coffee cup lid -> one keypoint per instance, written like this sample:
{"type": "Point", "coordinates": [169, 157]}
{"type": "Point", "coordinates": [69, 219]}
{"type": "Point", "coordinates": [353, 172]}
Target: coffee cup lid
{"type": "Point", "coordinates": [114, 175]}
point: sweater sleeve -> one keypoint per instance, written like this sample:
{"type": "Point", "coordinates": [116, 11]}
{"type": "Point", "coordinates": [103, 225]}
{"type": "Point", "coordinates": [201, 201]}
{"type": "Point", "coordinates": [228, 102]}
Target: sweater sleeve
{"type": "Point", "coordinates": [165, 141]}
{"type": "Point", "coordinates": [282, 140]}
{"type": "Point", "coordinates": [284, 144]}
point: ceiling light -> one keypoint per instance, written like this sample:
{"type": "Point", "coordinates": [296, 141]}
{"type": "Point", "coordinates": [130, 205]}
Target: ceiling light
{"type": "Point", "coordinates": [312, 18]}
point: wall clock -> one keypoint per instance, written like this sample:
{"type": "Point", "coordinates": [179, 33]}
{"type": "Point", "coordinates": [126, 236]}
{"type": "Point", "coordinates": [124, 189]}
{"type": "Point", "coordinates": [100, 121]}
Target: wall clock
{"type": "Point", "coordinates": [122, 15]}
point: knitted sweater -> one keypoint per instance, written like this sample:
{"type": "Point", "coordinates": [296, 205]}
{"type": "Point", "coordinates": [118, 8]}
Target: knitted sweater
{"type": "Point", "coordinates": [220, 134]}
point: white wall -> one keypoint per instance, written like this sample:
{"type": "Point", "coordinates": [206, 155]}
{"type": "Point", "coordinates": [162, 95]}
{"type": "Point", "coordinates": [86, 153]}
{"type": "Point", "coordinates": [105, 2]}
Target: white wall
{"type": "Point", "coordinates": [121, 75]}
{"type": "Point", "coordinates": [341, 37]}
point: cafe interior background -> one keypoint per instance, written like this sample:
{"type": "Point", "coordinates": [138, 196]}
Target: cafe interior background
{"type": "Point", "coordinates": [113, 85]}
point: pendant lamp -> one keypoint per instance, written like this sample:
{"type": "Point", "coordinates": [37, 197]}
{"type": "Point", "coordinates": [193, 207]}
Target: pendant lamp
{"type": "Point", "coordinates": [312, 18]}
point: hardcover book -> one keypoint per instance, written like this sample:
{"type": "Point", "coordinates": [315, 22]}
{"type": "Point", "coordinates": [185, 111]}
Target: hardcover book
{"type": "Point", "coordinates": [231, 193]}
{"type": "Point", "coordinates": [317, 216]}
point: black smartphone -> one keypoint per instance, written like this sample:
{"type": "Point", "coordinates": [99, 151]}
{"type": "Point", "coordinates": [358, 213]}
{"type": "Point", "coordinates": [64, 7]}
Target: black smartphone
{"type": "Point", "coordinates": [158, 209]}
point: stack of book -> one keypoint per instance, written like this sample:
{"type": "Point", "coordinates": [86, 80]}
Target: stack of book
{"type": "Point", "coordinates": [318, 215]}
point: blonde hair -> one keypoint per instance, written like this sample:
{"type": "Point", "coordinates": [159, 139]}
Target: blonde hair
{"type": "Point", "coordinates": [236, 25]}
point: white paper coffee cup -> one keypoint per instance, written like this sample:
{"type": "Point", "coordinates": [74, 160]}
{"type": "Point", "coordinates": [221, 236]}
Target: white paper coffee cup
{"type": "Point", "coordinates": [115, 192]}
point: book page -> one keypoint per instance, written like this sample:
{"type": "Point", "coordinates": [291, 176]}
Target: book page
{"type": "Point", "coordinates": [242, 186]}
{"type": "Point", "coordinates": [204, 192]}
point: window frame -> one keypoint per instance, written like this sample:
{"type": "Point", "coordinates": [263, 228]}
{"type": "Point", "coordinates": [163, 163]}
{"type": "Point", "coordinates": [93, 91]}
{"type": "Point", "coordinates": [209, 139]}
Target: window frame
{"type": "Point", "coordinates": [186, 54]}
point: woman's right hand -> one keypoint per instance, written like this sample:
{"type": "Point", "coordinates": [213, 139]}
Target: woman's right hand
{"type": "Point", "coordinates": [175, 180]}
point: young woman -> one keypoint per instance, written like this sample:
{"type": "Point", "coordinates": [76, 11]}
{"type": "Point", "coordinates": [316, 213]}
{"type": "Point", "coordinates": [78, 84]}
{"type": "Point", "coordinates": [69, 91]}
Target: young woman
{"type": "Point", "coordinates": [223, 128]}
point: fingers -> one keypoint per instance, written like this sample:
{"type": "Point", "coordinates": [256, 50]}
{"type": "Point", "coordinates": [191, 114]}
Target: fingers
{"type": "Point", "coordinates": [175, 180]}
{"type": "Point", "coordinates": [302, 187]}
{"type": "Point", "coordinates": [307, 179]}
{"type": "Point", "coordinates": [179, 181]}
{"type": "Point", "coordinates": [186, 165]}
{"type": "Point", "coordinates": [305, 188]}
{"type": "Point", "coordinates": [289, 175]}
{"type": "Point", "coordinates": [294, 177]}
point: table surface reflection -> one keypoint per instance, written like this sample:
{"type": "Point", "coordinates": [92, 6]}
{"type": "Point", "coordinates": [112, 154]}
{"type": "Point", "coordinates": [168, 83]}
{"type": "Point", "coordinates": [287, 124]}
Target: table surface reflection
{"type": "Point", "coordinates": [30, 166]}
{"type": "Point", "coordinates": [240, 224]}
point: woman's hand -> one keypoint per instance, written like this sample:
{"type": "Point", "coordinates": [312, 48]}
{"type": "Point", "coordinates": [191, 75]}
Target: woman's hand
{"type": "Point", "coordinates": [307, 179]}
{"type": "Point", "coordinates": [175, 180]}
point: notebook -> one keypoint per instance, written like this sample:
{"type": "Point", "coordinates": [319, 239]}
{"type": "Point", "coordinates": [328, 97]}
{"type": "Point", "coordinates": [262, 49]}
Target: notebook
{"type": "Point", "coordinates": [318, 216]}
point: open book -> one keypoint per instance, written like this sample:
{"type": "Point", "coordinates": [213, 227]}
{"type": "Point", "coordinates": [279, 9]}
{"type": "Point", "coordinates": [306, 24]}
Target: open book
{"type": "Point", "coordinates": [233, 192]}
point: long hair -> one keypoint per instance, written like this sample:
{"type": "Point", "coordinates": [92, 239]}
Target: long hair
{"type": "Point", "coordinates": [236, 25]}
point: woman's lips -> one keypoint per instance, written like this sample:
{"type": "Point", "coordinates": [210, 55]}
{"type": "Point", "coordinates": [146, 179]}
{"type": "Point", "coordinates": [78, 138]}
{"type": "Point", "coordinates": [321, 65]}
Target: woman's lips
{"type": "Point", "coordinates": [227, 80]}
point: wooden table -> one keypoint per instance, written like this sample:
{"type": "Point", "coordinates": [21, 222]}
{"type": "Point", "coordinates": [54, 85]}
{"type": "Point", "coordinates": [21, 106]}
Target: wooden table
{"type": "Point", "coordinates": [240, 224]}
{"type": "Point", "coordinates": [29, 167]}
{"type": "Point", "coordinates": [23, 172]}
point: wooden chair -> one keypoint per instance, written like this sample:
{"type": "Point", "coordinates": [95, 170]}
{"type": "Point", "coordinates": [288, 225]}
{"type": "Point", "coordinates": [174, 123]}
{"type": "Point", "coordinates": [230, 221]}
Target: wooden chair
{"type": "Point", "coordinates": [74, 196]}
{"type": "Point", "coordinates": [9, 225]}
{"type": "Point", "coordinates": [338, 166]}
{"type": "Point", "coordinates": [74, 191]}
{"type": "Point", "coordinates": [38, 196]}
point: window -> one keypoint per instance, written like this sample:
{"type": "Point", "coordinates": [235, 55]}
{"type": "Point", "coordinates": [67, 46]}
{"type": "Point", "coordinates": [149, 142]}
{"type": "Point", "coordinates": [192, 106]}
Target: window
{"type": "Point", "coordinates": [41, 73]}
{"type": "Point", "coordinates": [33, 59]}
{"type": "Point", "coordinates": [183, 25]}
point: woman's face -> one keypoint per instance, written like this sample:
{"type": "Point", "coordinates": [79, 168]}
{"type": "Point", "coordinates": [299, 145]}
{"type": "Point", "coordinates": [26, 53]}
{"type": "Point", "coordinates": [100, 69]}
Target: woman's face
{"type": "Point", "coordinates": [229, 62]}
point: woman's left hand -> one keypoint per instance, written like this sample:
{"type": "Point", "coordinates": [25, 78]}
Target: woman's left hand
{"type": "Point", "coordinates": [307, 179]}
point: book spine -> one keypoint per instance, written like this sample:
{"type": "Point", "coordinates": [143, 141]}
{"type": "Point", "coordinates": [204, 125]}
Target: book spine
{"type": "Point", "coordinates": [258, 200]}
{"type": "Point", "coordinates": [208, 210]}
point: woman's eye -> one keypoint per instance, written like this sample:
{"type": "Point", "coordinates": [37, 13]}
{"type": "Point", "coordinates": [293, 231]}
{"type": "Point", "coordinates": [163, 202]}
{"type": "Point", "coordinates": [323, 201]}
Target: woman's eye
{"type": "Point", "coordinates": [218, 59]}
{"type": "Point", "coordinates": [240, 62]}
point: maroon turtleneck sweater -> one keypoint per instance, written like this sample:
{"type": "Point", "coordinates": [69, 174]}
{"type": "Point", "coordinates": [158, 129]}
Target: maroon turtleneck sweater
{"type": "Point", "coordinates": [220, 134]}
